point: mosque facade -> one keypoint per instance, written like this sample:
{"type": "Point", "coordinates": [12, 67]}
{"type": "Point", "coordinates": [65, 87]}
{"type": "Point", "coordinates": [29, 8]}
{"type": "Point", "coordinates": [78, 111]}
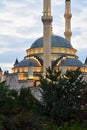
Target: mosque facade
{"type": "Point", "coordinates": [47, 51]}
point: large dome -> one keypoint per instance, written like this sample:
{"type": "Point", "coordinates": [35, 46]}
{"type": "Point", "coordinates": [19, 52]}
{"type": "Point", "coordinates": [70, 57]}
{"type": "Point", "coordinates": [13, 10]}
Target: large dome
{"type": "Point", "coordinates": [56, 41]}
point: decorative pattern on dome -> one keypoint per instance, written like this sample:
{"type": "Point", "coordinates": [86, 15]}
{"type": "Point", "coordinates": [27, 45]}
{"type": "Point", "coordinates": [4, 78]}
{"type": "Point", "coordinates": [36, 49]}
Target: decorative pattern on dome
{"type": "Point", "coordinates": [56, 41]}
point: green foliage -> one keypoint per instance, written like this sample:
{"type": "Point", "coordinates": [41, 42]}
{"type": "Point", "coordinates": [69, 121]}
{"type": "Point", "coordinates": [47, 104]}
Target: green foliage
{"type": "Point", "coordinates": [21, 111]}
{"type": "Point", "coordinates": [7, 99]}
{"type": "Point", "coordinates": [67, 126]}
{"type": "Point", "coordinates": [62, 93]}
{"type": "Point", "coordinates": [27, 102]}
{"type": "Point", "coordinates": [74, 126]}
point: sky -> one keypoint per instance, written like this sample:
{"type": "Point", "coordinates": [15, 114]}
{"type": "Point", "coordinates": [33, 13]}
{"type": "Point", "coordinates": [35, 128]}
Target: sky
{"type": "Point", "coordinates": [20, 26]}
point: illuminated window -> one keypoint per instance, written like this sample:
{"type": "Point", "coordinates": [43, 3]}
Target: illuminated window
{"type": "Point", "coordinates": [36, 50]}
{"type": "Point", "coordinates": [32, 51]}
{"type": "Point", "coordinates": [26, 69]}
{"type": "Point", "coordinates": [37, 69]}
{"type": "Point", "coordinates": [68, 50]}
{"type": "Point", "coordinates": [15, 70]}
{"type": "Point", "coordinates": [56, 50]}
{"type": "Point", "coordinates": [22, 76]}
{"type": "Point", "coordinates": [69, 68]}
{"type": "Point", "coordinates": [20, 70]}
{"type": "Point", "coordinates": [62, 50]}
{"type": "Point", "coordinates": [86, 70]}
{"type": "Point", "coordinates": [28, 52]}
{"type": "Point", "coordinates": [41, 50]}
{"type": "Point", "coordinates": [73, 51]}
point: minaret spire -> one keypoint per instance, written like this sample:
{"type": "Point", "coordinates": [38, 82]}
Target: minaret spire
{"type": "Point", "coordinates": [68, 16]}
{"type": "Point", "coordinates": [47, 20]}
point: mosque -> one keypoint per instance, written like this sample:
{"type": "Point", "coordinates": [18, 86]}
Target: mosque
{"type": "Point", "coordinates": [47, 51]}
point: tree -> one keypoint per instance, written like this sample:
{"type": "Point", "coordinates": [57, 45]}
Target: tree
{"type": "Point", "coordinates": [27, 101]}
{"type": "Point", "coordinates": [19, 111]}
{"type": "Point", "coordinates": [62, 93]}
{"type": "Point", "coordinates": [8, 99]}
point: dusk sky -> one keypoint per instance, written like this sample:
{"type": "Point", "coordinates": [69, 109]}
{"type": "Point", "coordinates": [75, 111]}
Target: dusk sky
{"type": "Point", "coordinates": [20, 26]}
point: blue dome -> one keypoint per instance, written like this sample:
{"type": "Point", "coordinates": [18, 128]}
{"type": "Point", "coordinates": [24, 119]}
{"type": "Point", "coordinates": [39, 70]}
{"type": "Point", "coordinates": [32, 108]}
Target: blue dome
{"type": "Point", "coordinates": [71, 62]}
{"type": "Point", "coordinates": [56, 41]}
{"type": "Point", "coordinates": [26, 63]}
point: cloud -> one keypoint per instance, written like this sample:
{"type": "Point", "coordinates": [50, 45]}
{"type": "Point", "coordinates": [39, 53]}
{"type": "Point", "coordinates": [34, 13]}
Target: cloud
{"type": "Point", "coordinates": [20, 26]}
{"type": "Point", "coordinates": [79, 28]}
{"type": "Point", "coordinates": [6, 66]}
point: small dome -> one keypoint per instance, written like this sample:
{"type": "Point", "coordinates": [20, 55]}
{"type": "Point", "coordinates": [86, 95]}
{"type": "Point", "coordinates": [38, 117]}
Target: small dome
{"type": "Point", "coordinates": [56, 41]}
{"type": "Point", "coordinates": [71, 62]}
{"type": "Point", "coordinates": [26, 63]}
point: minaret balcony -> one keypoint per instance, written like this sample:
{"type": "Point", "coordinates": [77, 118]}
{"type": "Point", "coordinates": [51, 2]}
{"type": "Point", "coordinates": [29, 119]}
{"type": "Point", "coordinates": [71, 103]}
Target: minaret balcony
{"type": "Point", "coordinates": [67, 16]}
{"type": "Point", "coordinates": [47, 19]}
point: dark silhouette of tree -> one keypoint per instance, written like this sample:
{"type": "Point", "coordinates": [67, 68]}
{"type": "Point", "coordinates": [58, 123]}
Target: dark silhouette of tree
{"type": "Point", "coordinates": [62, 93]}
{"type": "Point", "coordinates": [8, 99]}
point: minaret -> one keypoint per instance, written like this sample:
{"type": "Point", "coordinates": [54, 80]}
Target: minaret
{"type": "Point", "coordinates": [85, 61]}
{"type": "Point", "coordinates": [47, 20]}
{"type": "Point", "coordinates": [1, 74]}
{"type": "Point", "coordinates": [68, 16]}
